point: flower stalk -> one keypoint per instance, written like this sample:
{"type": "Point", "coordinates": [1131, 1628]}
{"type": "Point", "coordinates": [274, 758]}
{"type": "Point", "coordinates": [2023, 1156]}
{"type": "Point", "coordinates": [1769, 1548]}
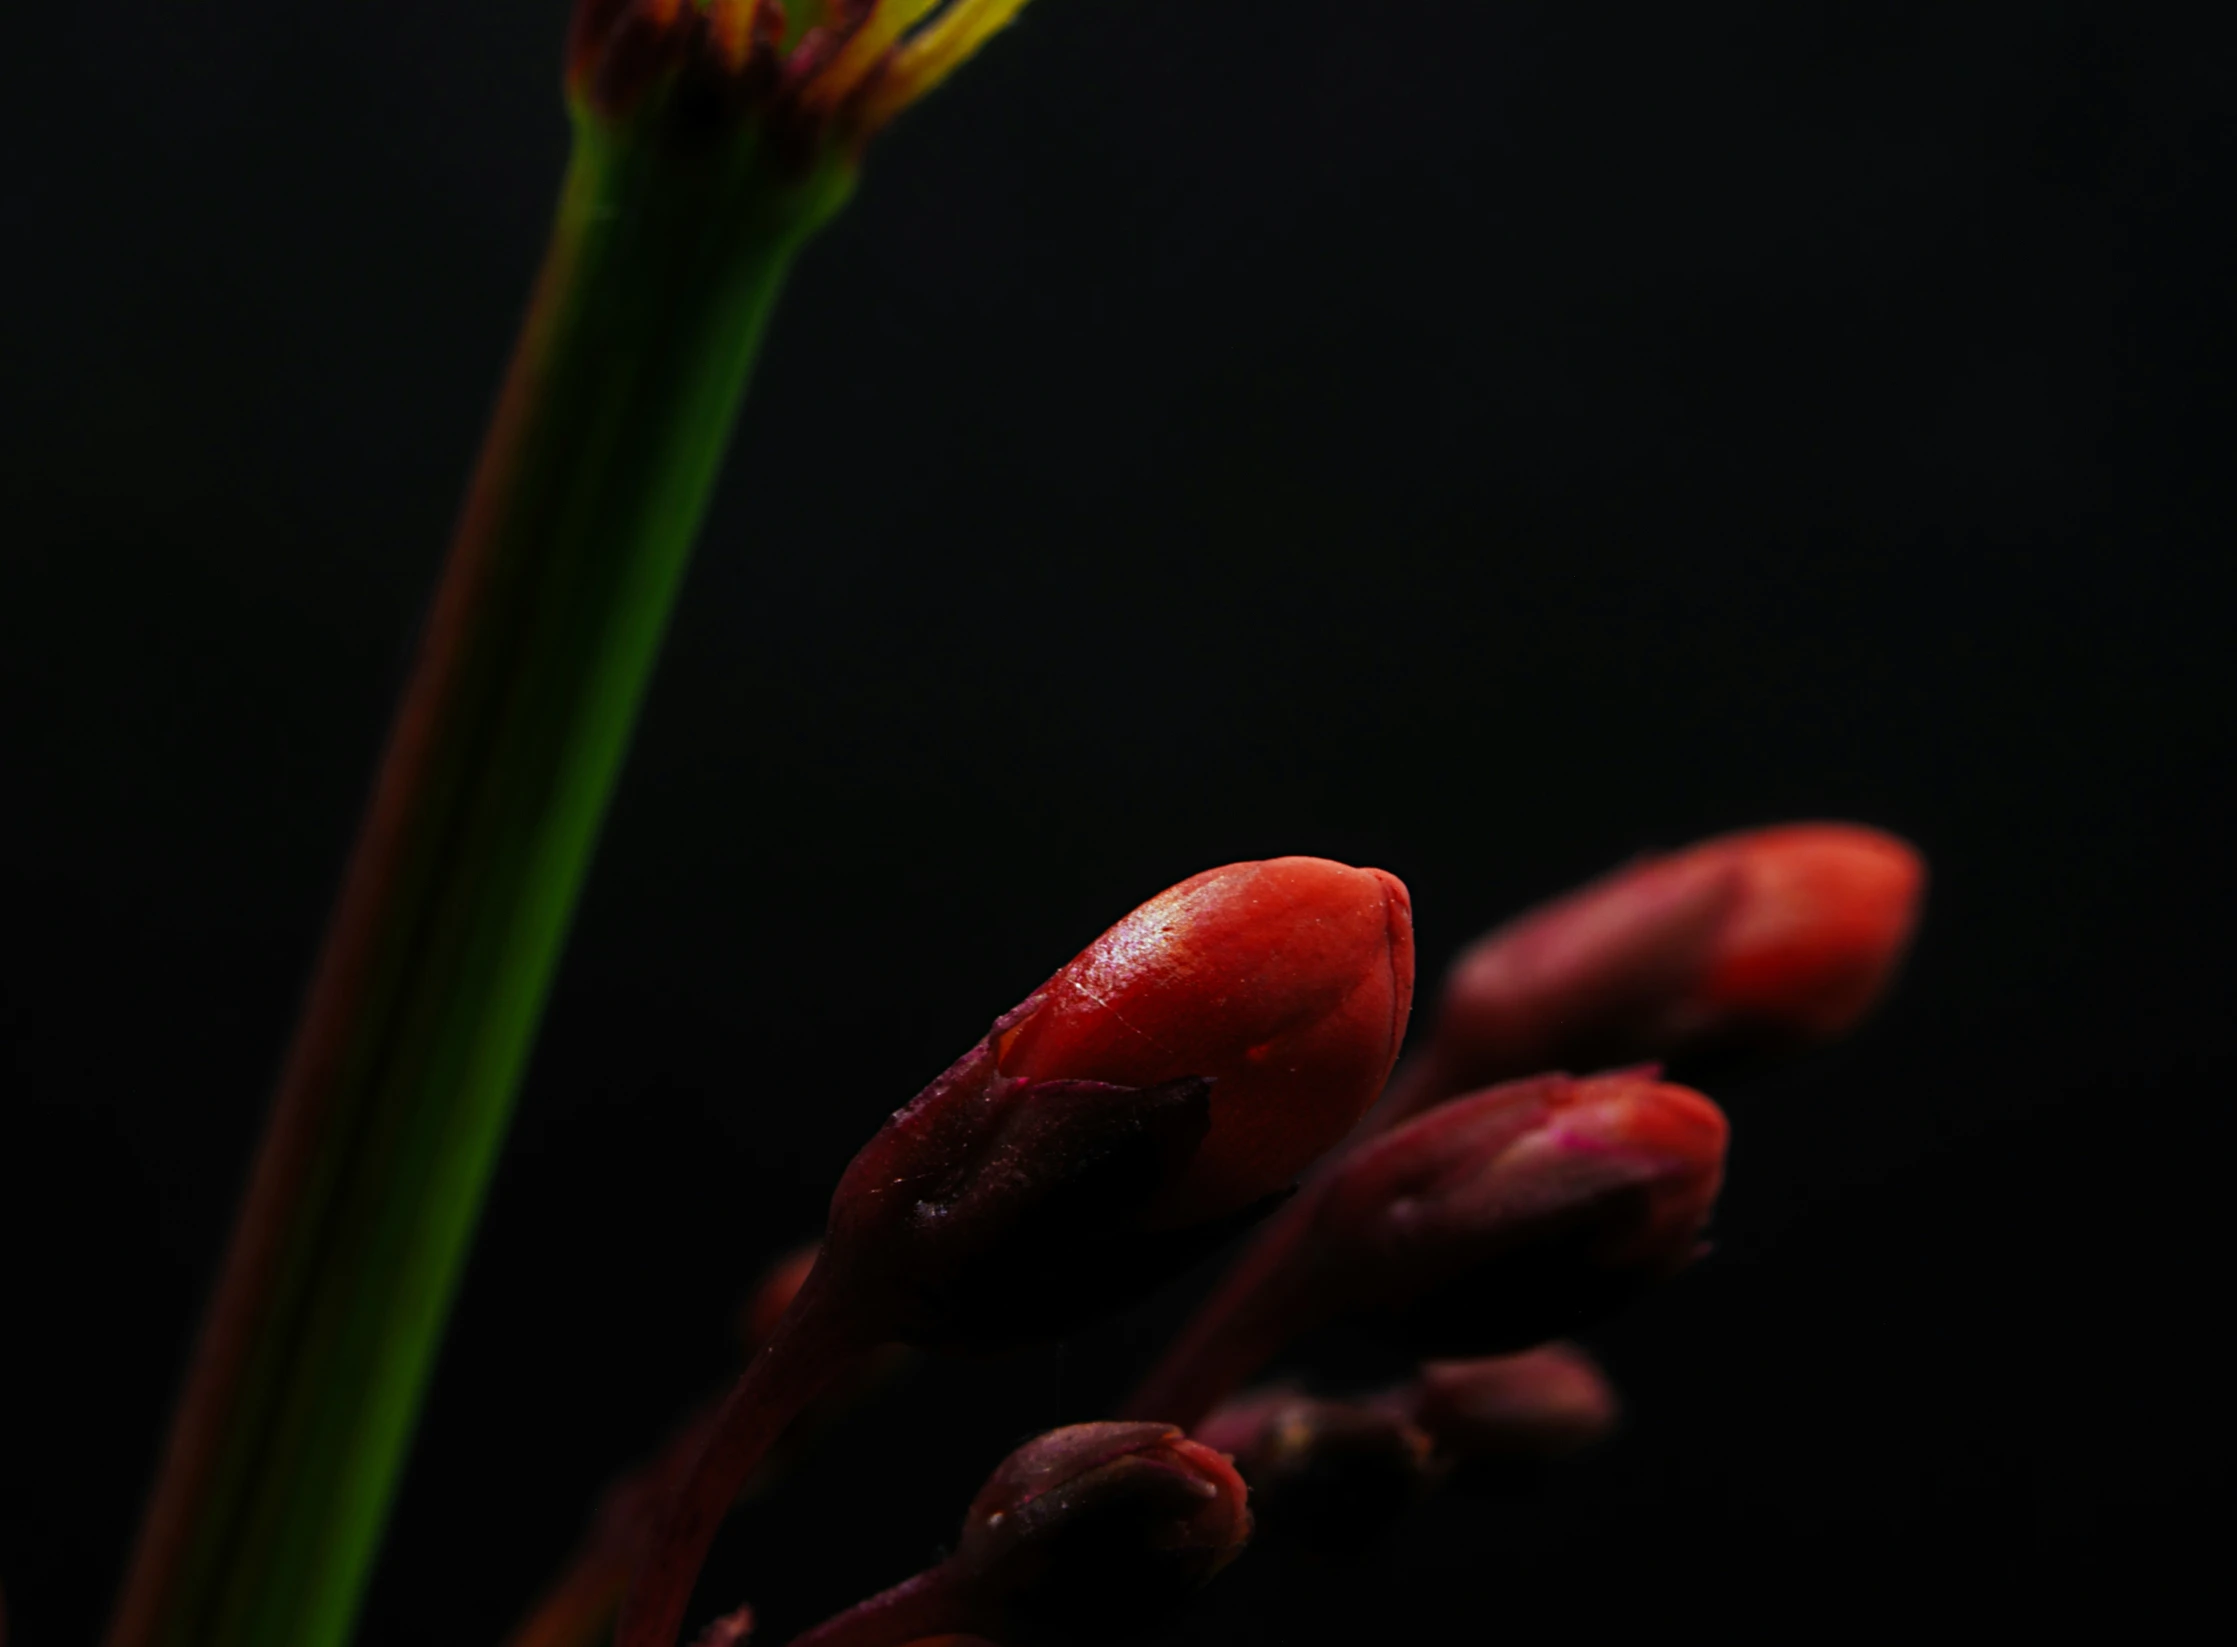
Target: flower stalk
{"type": "Point", "coordinates": [693, 183]}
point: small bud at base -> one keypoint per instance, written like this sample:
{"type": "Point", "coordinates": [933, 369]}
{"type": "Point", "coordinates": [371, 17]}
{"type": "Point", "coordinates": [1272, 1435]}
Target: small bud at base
{"type": "Point", "coordinates": [1084, 1534]}
{"type": "Point", "coordinates": [1336, 1475]}
{"type": "Point", "coordinates": [1094, 1529]}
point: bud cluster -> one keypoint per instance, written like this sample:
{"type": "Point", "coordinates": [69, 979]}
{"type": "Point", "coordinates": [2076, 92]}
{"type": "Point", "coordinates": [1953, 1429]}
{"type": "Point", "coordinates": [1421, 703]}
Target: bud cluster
{"type": "Point", "coordinates": [1166, 1087]}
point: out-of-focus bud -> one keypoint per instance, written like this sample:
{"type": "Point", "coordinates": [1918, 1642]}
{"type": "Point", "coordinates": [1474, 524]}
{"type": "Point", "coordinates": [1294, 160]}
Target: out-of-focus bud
{"type": "Point", "coordinates": [1501, 1219]}
{"type": "Point", "coordinates": [1335, 1475]}
{"type": "Point", "coordinates": [1122, 1119]}
{"type": "Point", "coordinates": [1084, 1534]}
{"type": "Point", "coordinates": [1505, 1410]}
{"type": "Point", "coordinates": [1748, 943]}
{"type": "Point", "coordinates": [1492, 1223]}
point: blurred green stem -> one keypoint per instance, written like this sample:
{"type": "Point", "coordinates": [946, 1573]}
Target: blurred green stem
{"type": "Point", "coordinates": [290, 1435]}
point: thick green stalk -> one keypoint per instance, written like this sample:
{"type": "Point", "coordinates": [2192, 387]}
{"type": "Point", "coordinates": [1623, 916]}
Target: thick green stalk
{"type": "Point", "coordinates": [291, 1433]}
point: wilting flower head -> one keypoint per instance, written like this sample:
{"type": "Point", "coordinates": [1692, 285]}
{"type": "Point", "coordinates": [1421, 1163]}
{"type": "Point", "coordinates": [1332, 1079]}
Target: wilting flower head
{"type": "Point", "coordinates": [1758, 940]}
{"type": "Point", "coordinates": [1092, 1529]}
{"type": "Point", "coordinates": [1505, 1217]}
{"type": "Point", "coordinates": [816, 72]}
{"type": "Point", "coordinates": [1178, 1072]}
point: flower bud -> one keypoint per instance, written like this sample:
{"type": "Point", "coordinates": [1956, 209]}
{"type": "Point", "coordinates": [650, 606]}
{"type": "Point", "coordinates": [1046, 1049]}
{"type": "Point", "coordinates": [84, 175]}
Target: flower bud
{"type": "Point", "coordinates": [1751, 942]}
{"type": "Point", "coordinates": [1503, 1218]}
{"type": "Point", "coordinates": [1122, 1119]}
{"type": "Point", "coordinates": [1084, 1534]}
{"type": "Point", "coordinates": [1287, 983]}
{"type": "Point", "coordinates": [1335, 1475]}
{"type": "Point", "coordinates": [1491, 1223]}
{"type": "Point", "coordinates": [1530, 1408]}
{"type": "Point", "coordinates": [1095, 1529]}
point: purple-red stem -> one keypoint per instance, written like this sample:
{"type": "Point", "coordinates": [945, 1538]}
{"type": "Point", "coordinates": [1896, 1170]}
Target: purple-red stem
{"type": "Point", "coordinates": [1258, 1307]}
{"type": "Point", "coordinates": [934, 1603]}
{"type": "Point", "coordinates": [1255, 1309]}
{"type": "Point", "coordinates": [813, 1345]}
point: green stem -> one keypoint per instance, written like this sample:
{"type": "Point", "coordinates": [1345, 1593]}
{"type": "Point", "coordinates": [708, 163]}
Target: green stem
{"type": "Point", "coordinates": [290, 1436]}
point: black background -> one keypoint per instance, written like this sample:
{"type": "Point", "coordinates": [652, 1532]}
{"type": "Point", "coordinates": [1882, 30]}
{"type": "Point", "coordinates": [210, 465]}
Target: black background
{"type": "Point", "coordinates": [1478, 441]}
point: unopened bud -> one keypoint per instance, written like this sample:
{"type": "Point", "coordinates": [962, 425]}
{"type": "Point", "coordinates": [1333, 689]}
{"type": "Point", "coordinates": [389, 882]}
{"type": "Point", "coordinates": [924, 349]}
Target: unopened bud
{"type": "Point", "coordinates": [1530, 1408]}
{"type": "Point", "coordinates": [1747, 943]}
{"type": "Point", "coordinates": [1114, 1126]}
{"type": "Point", "coordinates": [1097, 1528]}
{"type": "Point", "coordinates": [1489, 1224]}
{"type": "Point", "coordinates": [1085, 1534]}
{"type": "Point", "coordinates": [1336, 1475]}
{"type": "Point", "coordinates": [1503, 1218]}
{"type": "Point", "coordinates": [1286, 983]}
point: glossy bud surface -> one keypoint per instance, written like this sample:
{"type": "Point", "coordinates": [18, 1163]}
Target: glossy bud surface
{"type": "Point", "coordinates": [1286, 982]}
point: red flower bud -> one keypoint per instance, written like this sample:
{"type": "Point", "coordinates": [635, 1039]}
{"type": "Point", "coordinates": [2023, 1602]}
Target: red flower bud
{"type": "Point", "coordinates": [1286, 982]}
{"type": "Point", "coordinates": [1109, 1130]}
{"type": "Point", "coordinates": [1491, 1223]}
{"type": "Point", "coordinates": [1755, 941]}
{"type": "Point", "coordinates": [1082, 1534]}
{"type": "Point", "coordinates": [1514, 1409]}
